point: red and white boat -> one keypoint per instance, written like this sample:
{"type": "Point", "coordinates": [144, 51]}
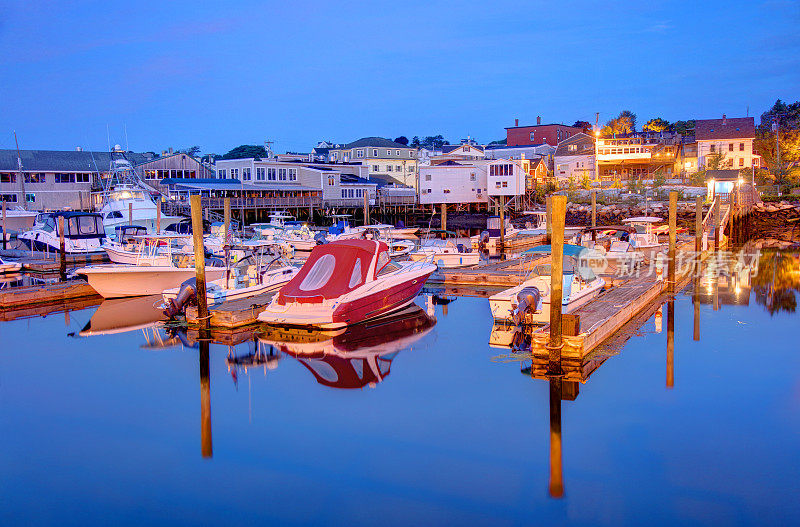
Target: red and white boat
{"type": "Point", "coordinates": [346, 282]}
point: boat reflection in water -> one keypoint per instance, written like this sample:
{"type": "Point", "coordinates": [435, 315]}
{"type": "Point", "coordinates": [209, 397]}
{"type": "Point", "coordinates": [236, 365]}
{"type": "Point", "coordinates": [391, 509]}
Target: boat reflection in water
{"type": "Point", "coordinates": [120, 315]}
{"type": "Point", "coordinates": [359, 356]}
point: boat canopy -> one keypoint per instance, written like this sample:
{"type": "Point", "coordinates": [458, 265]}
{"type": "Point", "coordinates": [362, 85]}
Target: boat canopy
{"type": "Point", "coordinates": [570, 250]}
{"type": "Point", "coordinates": [333, 270]}
{"type": "Point", "coordinates": [622, 228]}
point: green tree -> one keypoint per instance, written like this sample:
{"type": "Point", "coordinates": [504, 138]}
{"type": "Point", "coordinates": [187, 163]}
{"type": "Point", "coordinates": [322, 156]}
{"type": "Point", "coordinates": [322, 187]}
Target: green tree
{"type": "Point", "coordinates": [415, 142]}
{"type": "Point", "coordinates": [787, 115]}
{"type": "Point", "coordinates": [684, 127]}
{"type": "Point", "coordinates": [192, 151]}
{"type": "Point", "coordinates": [717, 161]}
{"type": "Point", "coordinates": [571, 183]}
{"type": "Point", "coordinates": [656, 124]}
{"type": "Point", "coordinates": [586, 126]}
{"type": "Point", "coordinates": [434, 141]}
{"type": "Point", "coordinates": [246, 152]}
{"type": "Point", "coordinates": [499, 142]}
{"type": "Point", "coordinates": [659, 178]}
{"type": "Point", "coordinates": [624, 123]}
{"type": "Point", "coordinates": [586, 183]}
{"type": "Point", "coordinates": [403, 140]}
{"type": "Point", "coordinates": [698, 179]}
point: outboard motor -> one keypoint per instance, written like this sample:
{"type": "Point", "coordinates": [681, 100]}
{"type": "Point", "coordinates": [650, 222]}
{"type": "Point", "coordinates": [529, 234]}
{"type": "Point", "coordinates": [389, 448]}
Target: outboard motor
{"type": "Point", "coordinates": [483, 241]}
{"type": "Point", "coordinates": [186, 294]}
{"type": "Point", "coordinates": [320, 238]}
{"type": "Point", "coordinates": [529, 300]}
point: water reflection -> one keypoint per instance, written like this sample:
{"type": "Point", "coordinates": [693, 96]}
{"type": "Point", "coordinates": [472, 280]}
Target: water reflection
{"type": "Point", "coordinates": [360, 356]}
{"type": "Point", "coordinates": [778, 281]}
{"type": "Point", "coordinates": [120, 315]}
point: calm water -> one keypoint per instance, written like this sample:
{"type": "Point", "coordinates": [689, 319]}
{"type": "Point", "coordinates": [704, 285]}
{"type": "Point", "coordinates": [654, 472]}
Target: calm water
{"type": "Point", "coordinates": [110, 429]}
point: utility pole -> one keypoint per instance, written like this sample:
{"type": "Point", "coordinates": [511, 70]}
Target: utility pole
{"type": "Point", "coordinates": [778, 150]}
{"type": "Point", "coordinates": [21, 176]}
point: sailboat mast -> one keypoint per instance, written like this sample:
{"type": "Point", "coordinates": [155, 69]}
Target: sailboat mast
{"type": "Point", "coordinates": [20, 175]}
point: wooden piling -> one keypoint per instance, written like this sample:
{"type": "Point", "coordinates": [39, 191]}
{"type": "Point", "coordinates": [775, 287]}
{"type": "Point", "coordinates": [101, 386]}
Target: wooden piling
{"type": "Point", "coordinates": [556, 487]}
{"type": "Point", "coordinates": [696, 305]}
{"type": "Point", "coordinates": [673, 229]}
{"type": "Point", "coordinates": [502, 223]}
{"type": "Point", "coordinates": [559, 209]}
{"type": "Point", "coordinates": [698, 224]}
{"type": "Point", "coordinates": [199, 260]}
{"type": "Point", "coordinates": [158, 217]}
{"type": "Point", "coordinates": [444, 216]}
{"type": "Point", "coordinates": [227, 217]}
{"type": "Point", "coordinates": [366, 209]}
{"type": "Point", "coordinates": [62, 263]}
{"type": "Point", "coordinates": [206, 445]}
{"type": "Point", "coordinates": [594, 215]}
{"type": "Point", "coordinates": [130, 213]}
{"type": "Point", "coordinates": [5, 231]}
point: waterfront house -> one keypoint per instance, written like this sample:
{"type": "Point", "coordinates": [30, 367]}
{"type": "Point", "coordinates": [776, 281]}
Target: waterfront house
{"type": "Point", "coordinates": [574, 158]}
{"type": "Point", "coordinates": [550, 134]}
{"type": "Point", "coordinates": [732, 138]}
{"type": "Point", "coordinates": [385, 160]}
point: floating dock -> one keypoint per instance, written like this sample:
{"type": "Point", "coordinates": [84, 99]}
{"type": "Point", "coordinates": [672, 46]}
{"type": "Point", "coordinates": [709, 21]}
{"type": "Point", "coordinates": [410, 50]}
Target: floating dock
{"type": "Point", "coordinates": [38, 299]}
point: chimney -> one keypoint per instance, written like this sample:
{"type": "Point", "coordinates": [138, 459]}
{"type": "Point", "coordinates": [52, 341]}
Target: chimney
{"type": "Point", "coordinates": [538, 120]}
{"type": "Point", "coordinates": [78, 149]}
{"type": "Point", "coordinates": [724, 118]}
{"type": "Point", "coordinates": [516, 122]}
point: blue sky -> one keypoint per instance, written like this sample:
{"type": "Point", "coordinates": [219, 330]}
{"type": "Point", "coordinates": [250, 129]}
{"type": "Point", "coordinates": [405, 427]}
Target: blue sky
{"type": "Point", "coordinates": [220, 74]}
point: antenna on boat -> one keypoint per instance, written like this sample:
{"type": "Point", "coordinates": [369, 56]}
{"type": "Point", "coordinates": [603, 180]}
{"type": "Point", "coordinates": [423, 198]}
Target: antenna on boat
{"type": "Point", "coordinates": [20, 175]}
{"type": "Point", "coordinates": [108, 138]}
{"type": "Point", "coordinates": [125, 129]}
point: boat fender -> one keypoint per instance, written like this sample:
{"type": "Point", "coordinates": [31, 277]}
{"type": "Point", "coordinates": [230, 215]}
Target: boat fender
{"type": "Point", "coordinates": [529, 300]}
{"type": "Point", "coordinates": [186, 293]}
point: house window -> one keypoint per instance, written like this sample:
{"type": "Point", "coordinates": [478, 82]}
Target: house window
{"type": "Point", "coordinates": [223, 174]}
{"type": "Point", "coordinates": [397, 153]}
{"type": "Point", "coordinates": [446, 191]}
{"type": "Point", "coordinates": [272, 174]}
{"type": "Point", "coordinates": [505, 184]}
{"type": "Point", "coordinates": [234, 173]}
{"type": "Point", "coordinates": [465, 149]}
{"type": "Point", "coordinates": [388, 153]}
{"type": "Point", "coordinates": [30, 198]}
{"type": "Point", "coordinates": [9, 198]}
{"type": "Point", "coordinates": [376, 168]}
{"type": "Point", "coordinates": [292, 174]}
{"type": "Point", "coordinates": [344, 192]}
{"type": "Point", "coordinates": [360, 153]}
{"type": "Point", "coordinates": [374, 152]}
{"type": "Point", "coordinates": [741, 147]}
{"type": "Point", "coordinates": [8, 178]}
{"type": "Point", "coordinates": [246, 174]}
{"type": "Point", "coordinates": [398, 168]}
{"type": "Point", "coordinates": [282, 174]}
{"type": "Point", "coordinates": [65, 178]}
{"type": "Point", "coordinates": [427, 177]}
{"type": "Point", "coordinates": [730, 147]}
{"type": "Point", "coordinates": [359, 193]}
{"type": "Point", "coordinates": [429, 191]}
{"type": "Point", "coordinates": [573, 148]}
{"type": "Point", "coordinates": [532, 133]}
{"type": "Point", "coordinates": [411, 168]}
{"type": "Point", "coordinates": [333, 156]}
{"type": "Point", "coordinates": [331, 180]}
{"type": "Point", "coordinates": [741, 161]}
{"type": "Point", "coordinates": [261, 173]}
{"type": "Point", "coordinates": [388, 168]}
{"type": "Point", "coordinates": [712, 148]}
{"type": "Point", "coordinates": [82, 178]}
{"type": "Point", "coordinates": [410, 153]}
{"type": "Point", "coordinates": [472, 177]}
{"type": "Point", "coordinates": [34, 178]}
{"type": "Point", "coordinates": [497, 184]}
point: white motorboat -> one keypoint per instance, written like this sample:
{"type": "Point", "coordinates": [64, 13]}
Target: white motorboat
{"type": "Point", "coordinates": [299, 237]}
{"type": "Point", "coordinates": [444, 252]}
{"type": "Point", "coordinates": [383, 232]}
{"type": "Point", "coordinates": [143, 277]}
{"type": "Point", "coordinates": [130, 204]}
{"type": "Point", "coordinates": [579, 286]}
{"type": "Point", "coordinates": [17, 219]}
{"type": "Point", "coordinates": [342, 229]}
{"type": "Point", "coordinates": [644, 240]}
{"type": "Point", "coordinates": [346, 282]}
{"type": "Point", "coordinates": [261, 270]}
{"type": "Point", "coordinates": [489, 238]}
{"type": "Point", "coordinates": [83, 233]}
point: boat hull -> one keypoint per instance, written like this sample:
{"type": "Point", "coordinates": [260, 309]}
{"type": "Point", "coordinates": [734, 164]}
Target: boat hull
{"type": "Point", "coordinates": [447, 259]}
{"type": "Point", "coordinates": [503, 303]}
{"type": "Point", "coordinates": [113, 281]}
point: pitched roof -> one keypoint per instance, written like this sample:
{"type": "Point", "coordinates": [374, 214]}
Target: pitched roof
{"type": "Point", "coordinates": [375, 141]}
{"type": "Point", "coordinates": [447, 149]}
{"type": "Point", "coordinates": [727, 174]}
{"type": "Point", "coordinates": [584, 142]}
{"type": "Point", "coordinates": [729, 128]}
{"type": "Point", "coordinates": [353, 179]}
{"type": "Point", "coordinates": [65, 160]}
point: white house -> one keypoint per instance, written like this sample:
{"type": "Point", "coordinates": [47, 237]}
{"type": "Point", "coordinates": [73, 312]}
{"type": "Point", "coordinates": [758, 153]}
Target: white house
{"type": "Point", "coordinates": [733, 138]}
{"type": "Point", "coordinates": [451, 181]}
{"type": "Point", "coordinates": [574, 158]}
{"type": "Point", "coordinates": [506, 177]}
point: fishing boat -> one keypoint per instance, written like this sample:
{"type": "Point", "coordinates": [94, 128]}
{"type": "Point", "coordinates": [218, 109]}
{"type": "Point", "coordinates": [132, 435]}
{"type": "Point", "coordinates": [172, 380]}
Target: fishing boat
{"type": "Point", "coordinates": [645, 239]}
{"type": "Point", "coordinates": [489, 238]}
{"type": "Point", "coordinates": [360, 356]}
{"type": "Point", "coordinates": [159, 266]}
{"type": "Point", "coordinates": [262, 269]}
{"type": "Point", "coordinates": [129, 203]}
{"type": "Point", "coordinates": [579, 286]}
{"type": "Point", "coordinates": [441, 248]}
{"type": "Point", "coordinates": [83, 233]}
{"type": "Point", "coordinates": [136, 248]}
{"type": "Point", "coordinates": [342, 229]}
{"type": "Point", "coordinates": [346, 282]}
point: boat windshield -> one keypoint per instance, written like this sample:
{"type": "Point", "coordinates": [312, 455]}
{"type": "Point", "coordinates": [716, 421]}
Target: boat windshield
{"type": "Point", "coordinates": [84, 225]}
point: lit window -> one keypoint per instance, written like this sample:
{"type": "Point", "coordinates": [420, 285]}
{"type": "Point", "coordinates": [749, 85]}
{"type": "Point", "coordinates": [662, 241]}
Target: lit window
{"type": "Point", "coordinates": [374, 152]}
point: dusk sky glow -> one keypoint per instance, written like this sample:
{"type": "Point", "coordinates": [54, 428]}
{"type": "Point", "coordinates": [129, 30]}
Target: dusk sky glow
{"type": "Point", "coordinates": [220, 74]}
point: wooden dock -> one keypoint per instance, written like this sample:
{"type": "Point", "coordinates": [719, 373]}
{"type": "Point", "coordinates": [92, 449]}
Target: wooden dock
{"type": "Point", "coordinates": [47, 294]}
{"type": "Point", "coordinates": [233, 314]}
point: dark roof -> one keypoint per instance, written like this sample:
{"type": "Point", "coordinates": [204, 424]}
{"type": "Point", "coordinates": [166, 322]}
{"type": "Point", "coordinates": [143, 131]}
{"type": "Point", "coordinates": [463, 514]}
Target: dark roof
{"type": "Point", "coordinates": [375, 141]}
{"type": "Point", "coordinates": [535, 162]}
{"type": "Point", "coordinates": [503, 147]}
{"type": "Point", "coordinates": [448, 163]}
{"type": "Point", "coordinates": [543, 125]}
{"type": "Point", "coordinates": [350, 178]}
{"type": "Point", "coordinates": [730, 128]}
{"type": "Point", "coordinates": [446, 149]}
{"type": "Point", "coordinates": [729, 174]}
{"type": "Point", "coordinates": [65, 160]}
{"type": "Point", "coordinates": [585, 144]}
{"type": "Point", "coordinates": [176, 180]}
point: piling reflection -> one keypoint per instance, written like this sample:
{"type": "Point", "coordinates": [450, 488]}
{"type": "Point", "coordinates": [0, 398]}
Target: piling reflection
{"type": "Point", "coordinates": [206, 448]}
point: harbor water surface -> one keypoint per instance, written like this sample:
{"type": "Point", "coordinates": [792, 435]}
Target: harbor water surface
{"type": "Point", "coordinates": [442, 429]}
